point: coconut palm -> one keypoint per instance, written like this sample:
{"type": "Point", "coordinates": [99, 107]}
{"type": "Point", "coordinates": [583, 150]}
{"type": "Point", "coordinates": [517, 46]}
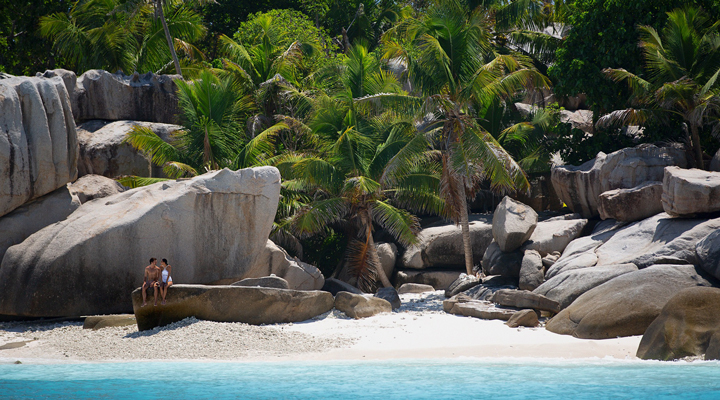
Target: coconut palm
{"type": "Point", "coordinates": [453, 65]}
{"type": "Point", "coordinates": [682, 64]}
{"type": "Point", "coordinates": [365, 165]}
{"type": "Point", "coordinates": [122, 35]}
{"type": "Point", "coordinates": [211, 110]}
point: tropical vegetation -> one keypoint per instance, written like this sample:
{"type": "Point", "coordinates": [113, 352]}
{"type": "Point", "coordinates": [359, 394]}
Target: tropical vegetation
{"type": "Point", "coordinates": [381, 112]}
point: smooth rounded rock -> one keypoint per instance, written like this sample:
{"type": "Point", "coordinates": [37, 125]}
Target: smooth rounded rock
{"type": "Point", "coordinates": [358, 306]}
{"type": "Point", "coordinates": [415, 288]}
{"type": "Point", "coordinates": [684, 327]}
{"type": "Point", "coordinates": [266, 281]}
{"type": "Point", "coordinates": [221, 303]}
{"type": "Point", "coordinates": [532, 274]}
{"type": "Point", "coordinates": [527, 318]}
{"type": "Point", "coordinates": [391, 295]}
{"type": "Point", "coordinates": [625, 305]}
{"type": "Point", "coordinates": [513, 223]}
{"type": "Point", "coordinates": [690, 191]}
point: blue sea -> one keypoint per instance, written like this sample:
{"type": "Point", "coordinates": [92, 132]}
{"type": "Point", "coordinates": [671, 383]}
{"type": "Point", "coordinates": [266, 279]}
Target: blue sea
{"type": "Point", "coordinates": [396, 379]}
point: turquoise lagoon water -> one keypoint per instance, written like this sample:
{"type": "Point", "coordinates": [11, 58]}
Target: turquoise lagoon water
{"type": "Point", "coordinates": [397, 379]}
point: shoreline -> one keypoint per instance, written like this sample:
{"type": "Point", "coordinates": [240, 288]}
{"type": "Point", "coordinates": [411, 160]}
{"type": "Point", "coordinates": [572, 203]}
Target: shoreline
{"type": "Point", "coordinates": [419, 330]}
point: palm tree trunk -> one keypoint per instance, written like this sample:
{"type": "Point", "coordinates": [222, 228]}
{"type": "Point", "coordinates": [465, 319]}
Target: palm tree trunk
{"type": "Point", "coordinates": [465, 226]}
{"type": "Point", "coordinates": [696, 146]}
{"type": "Point", "coordinates": [373, 253]}
{"type": "Point", "coordinates": [161, 13]}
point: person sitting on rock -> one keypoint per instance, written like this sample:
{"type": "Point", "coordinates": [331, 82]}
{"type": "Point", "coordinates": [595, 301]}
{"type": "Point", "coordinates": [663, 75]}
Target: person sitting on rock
{"type": "Point", "coordinates": [166, 278]}
{"type": "Point", "coordinates": [152, 272]}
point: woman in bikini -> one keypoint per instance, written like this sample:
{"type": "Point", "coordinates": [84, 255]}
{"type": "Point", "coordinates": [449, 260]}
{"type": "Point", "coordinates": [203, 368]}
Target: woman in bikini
{"type": "Point", "coordinates": [165, 278]}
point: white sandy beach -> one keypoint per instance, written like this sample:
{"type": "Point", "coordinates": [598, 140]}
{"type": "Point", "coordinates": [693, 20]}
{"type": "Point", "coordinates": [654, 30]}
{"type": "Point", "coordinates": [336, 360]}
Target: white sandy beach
{"type": "Point", "coordinates": [420, 329]}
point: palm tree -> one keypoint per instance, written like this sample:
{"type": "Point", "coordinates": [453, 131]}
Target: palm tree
{"type": "Point", "coordinates": [364, 164]}
{"type": "Point", "coordinates": [682, 64]}
{"type": "Point", "coordinates": [452, 63]}
{"type": "Point", "coordinates": [211, 110]}
{"type": "Point", "coordinates": [122, 35]}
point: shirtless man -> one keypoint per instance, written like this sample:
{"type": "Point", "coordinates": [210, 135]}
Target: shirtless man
{"type": "Point", "coordinates": [152, 275]}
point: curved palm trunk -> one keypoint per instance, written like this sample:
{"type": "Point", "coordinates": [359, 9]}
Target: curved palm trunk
{"type": "Point", "coordinates": [465, 226]}
{"type": "Point", "coordinates": [373, 253]}
{"type": "Point", "coordinates": [696, 147]}
{"type": "Point", "coordinates": [161, 13]}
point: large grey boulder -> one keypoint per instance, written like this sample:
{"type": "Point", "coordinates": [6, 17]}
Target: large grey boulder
{"type": "Point", "coordinates": [440, 280]}
{"type": "Point", "coordinates": [532, 274]}
{"type": "Point", "coordinates": [266, 281]}
{"type": "Point", "coordinates": [659, 239]}
{"type": "Point", "coordinates": [90, 187]}
{"type": "Point", "coordinates": [38, 144]}
{"type": "Point", "coordinates": [212, 228]}
{"type": "Point", "coordinates": [358, 306]}
{"type": "Point", "coordinates": [656, 240]}
{"type": "Point", "coordinates": [581, 186]}
{"type": "Point", "coordinates": [684, 327]}
{"type": "Point", "coordinates": [251, 305]}
{"type": "Point", "coordinates": [527, 317]}
{"type": "Point", "coordinates": [513, 223]}
{"type": "Point", "coordinates": [441, 245]}
{"type": "Point", "coordinates": [103, 150]}
{"type": "Point", "coordinates": [498, 262]}
{"type": "Point", "coordinates": [148, 97]}
{"type": "Point", "coordinates": [22, 222]}
{"type": "Point", "coordinates": [554, 234]}
{"type": "Point", "coordinates": [690, 191]}
{"type": "Point", "coordinates": [580, 253]}
{"type": "Point", "coordinates": [568, 286]}
{"type": "Point", "coordinates": [625, 305]}
{"type": "Point", "coordinates": [632, 204]}
{"type": "Point", "coordinates": [274, 260]}
{"type": "Point", "coordinates": [708, 253]}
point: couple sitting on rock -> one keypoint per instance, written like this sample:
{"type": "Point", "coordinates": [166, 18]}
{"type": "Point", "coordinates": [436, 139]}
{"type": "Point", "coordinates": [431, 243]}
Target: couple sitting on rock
{"type": "Point", "coordinates": [157, 277]}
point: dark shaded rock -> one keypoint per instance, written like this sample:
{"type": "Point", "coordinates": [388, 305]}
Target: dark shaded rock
{"type": "Point", "coordinates": [684, 327]}
{"type": "Point", "coordinates": [334, 286]}
{"type": "Point", "coordinates": [358, 306]}
{"type": "Point", "coordinates": [461, 284]}
{"type": "Point", "coordinates": [532, 274]}
{"type": "Point", "coordinates": [513, 223]}
{"type": "Point", "coordinates": [251, 305]}
{"type": "Point", "coordinates": [440, 280]}
{"type": "Point", "coordinates": [524, 299]}
{"type": "Point", "coordinates": [625, 305]}
{"type": "Point", "coordinates": [96, 322]}
{"type": "Point", "coordinates": [101, 95]}
{"type": "Point", "coordinates": [498, 262]}
{"type": "Point", "coordinates": [527, 317]}
{"type": "Point", "coordinates": [266, 281]}
{"type": "Point", "coordinates": [415, 288]}
{"type": "Point", "coordinates": [391, 295]}
{"type": "Point", "coordinates": [568, 286]}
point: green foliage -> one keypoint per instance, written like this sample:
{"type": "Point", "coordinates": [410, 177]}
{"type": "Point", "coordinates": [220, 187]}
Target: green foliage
{"type": "Point", "coordinates": [121, 34]}
{"type": "Point", "coordinates": [604, 35]}
{"type": "Point", "coordinates": [682, 65]}
{"type": "Point", "coordinates": [22, 50]}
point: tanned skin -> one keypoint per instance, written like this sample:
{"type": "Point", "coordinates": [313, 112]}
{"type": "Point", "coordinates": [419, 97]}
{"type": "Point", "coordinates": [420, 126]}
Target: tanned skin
{"type": "Point", "coordinates": [164, 286]}
{"type": "Point", "coordinates": [150, 279]}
